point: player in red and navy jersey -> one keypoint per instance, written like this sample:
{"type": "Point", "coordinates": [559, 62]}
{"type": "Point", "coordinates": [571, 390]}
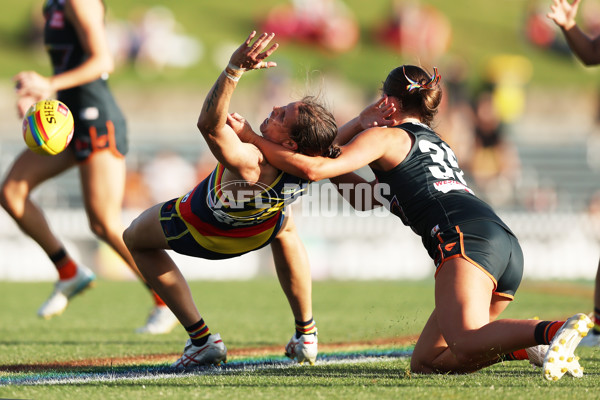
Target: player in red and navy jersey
{"type": "Point", "coordinates": [239, 207]}
{"type": "Point", "coordinates": [75, 37]}
{"type": "Point", "coordinates": [479, 262]}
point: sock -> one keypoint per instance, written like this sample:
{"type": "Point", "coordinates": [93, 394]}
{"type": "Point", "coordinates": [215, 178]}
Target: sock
{"type": "Point", "coordinates": [305, 328]}
{"type": "Point", "coordinates": [158, 302]}
{"type": "Point", "coordinates": [545, 331]}
{"type": "Point", "coordinates": [198, 332]}
{"type": "Point", "coordinates": [515, 355]}
{"type": "Point", "coordinates": [65, 266]}
{"type": "Point", "coordinates": [596, 319]}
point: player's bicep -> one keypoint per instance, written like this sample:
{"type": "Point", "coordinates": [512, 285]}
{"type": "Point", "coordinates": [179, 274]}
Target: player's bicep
{"type": "Point", "coordinates": [237, 156]}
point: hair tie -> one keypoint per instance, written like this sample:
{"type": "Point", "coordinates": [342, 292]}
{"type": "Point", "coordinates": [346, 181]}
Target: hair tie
{"type": "Point", "coordinates": [435, 78]}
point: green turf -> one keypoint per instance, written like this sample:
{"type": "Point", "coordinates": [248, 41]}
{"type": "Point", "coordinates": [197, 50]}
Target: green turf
{"type": "Point", "coordinates": [100, 324]}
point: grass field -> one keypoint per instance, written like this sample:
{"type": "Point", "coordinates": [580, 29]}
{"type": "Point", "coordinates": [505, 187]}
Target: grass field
{"type": "Point", "coordinates": [365, 332]}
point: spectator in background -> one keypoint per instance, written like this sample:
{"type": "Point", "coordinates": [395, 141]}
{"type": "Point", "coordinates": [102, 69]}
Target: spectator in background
{"type": "Point", "coordinates": [416, 30]}
{"type": "Point", "coordinates": [75, 36]}
{"type": "Point", "coordinates": [587, 49]}
{"type": "Point", "coordinates": [328, 24]}
{"type": "Point", "coordinates": [540, 32]}
{"type": "Point", "coordinates": [167, 175]}
{"type": "Point", "coordinates": [495, 161]}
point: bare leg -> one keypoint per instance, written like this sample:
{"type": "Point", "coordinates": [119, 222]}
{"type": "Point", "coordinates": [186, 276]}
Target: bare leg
{"type": "Point", "coordinates": [459, 336]}
{"type": "Point", "coordinates": [28, 171]}
{"type": "Point", "coordinates": [146, 242]}
{"type": "Point", "coordinates": [293, 270]}
{"type": "Point", "coordinates": [103, 182]}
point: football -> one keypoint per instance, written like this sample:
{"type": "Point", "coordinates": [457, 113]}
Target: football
{"type": "Point", "coordinates": [48, 127]}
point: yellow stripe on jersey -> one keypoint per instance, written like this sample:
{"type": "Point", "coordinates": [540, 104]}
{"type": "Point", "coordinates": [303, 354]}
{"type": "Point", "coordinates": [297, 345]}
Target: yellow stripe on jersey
{"type": "Point", "coordinates": [227, 245]}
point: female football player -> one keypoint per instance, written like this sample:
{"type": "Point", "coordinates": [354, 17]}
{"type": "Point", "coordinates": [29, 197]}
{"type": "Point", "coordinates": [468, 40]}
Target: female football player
{"type": "Point", "coordinates": [478, 259]}
{"type": "Point", "coordinates": [75, 37]}
{"type": "Point", "coordinates": [240, 207]}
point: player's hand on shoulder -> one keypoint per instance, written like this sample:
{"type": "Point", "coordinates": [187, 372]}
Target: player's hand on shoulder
{"type": "Point", "coordinates": [378, 114]}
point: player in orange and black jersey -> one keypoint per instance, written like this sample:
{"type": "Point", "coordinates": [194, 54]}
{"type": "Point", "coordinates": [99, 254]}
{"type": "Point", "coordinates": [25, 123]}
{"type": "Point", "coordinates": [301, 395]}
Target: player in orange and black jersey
{"type": "Point", "coordinates": [99, 122]}
{"type": "Point", "coordinates": [479, 262]}
{"type": "Point", "coordinates": [240, 207]}
{"type": "Point", "coordinates": [75, 37]}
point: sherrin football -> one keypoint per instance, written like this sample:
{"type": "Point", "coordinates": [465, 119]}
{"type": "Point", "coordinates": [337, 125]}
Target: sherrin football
{"type": "Point", "coordinates": [48, 127]}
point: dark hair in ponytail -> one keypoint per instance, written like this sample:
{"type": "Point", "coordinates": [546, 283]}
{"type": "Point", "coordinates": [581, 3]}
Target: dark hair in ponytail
{"type": "Point", "coordinates": [417, 91]}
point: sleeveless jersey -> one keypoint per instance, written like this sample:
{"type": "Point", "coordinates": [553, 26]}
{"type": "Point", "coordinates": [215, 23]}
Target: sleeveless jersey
{"type": "Point", "coordinates": [427, 190]}
{"type": "Point", "coordinates": [91, 101]}
{"type": "Point", "coordinates": [226, 225]}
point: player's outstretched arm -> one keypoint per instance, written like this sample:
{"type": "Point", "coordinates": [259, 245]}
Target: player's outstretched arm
{"type": "Point", "coordinates": [587, 49]}
{"type": "Point", "coordinates": [237, 157]}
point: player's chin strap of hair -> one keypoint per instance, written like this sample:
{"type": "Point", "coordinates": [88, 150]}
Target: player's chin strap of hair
{"type": "Point", "coordinates": [435, 79]}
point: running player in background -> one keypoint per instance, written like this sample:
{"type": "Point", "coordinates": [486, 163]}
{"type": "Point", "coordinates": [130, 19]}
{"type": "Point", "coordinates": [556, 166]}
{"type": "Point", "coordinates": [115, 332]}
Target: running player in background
{"type": "Point", "coordinates": [478, 260]}
{"type": "Point", "coordinates": [587, 49]}
{"type": "Point", "coordinates": [240, 207]}
{"type": "Point", "coordinates": [75, 37]}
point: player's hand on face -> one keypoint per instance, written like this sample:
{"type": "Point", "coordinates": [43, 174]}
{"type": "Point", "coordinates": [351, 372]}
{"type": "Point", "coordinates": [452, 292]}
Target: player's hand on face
{"type": "Point", "coordinates": [240, 126]}
{"type": "Point", "coordinates": [30, 83]}
{"type": "Point", "coordinates": [252, 55]}
{"type": "Point", "coordinates": [378, 114]}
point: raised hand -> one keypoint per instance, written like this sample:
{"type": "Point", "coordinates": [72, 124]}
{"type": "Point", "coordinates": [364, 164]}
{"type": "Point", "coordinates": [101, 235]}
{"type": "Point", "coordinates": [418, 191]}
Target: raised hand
{"type": "Point", "coordinates": [252, 55]}
{"type": "Point", "coordinates": [563, 13]}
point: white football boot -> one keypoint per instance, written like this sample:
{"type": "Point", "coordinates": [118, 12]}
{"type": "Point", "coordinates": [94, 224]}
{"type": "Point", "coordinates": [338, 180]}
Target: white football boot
{"type": "Point", "coordinates": [560, 357]}
{"type": "Point", "coordinates": [212, 352]}
{"type": "Point", "coordinates": [592, 339]}
{"type": "Point", "coordinates": [64, 290]}
{"type": "Point", "coordinates": [161, 320]}
{"type": "Point", "coordinates": [304, 348]}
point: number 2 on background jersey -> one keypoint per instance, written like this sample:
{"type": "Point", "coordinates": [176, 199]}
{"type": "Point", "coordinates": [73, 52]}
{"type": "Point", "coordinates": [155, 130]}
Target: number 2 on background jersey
{"type": "Point", "coordinates": [439, 156]}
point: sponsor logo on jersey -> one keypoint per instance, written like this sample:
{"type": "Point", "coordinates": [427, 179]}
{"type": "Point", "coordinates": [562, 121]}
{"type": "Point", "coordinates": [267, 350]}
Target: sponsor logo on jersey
{"type": "Point", "coordinates": [450, 184]}
{"type": "Point", "coordinates": [89, 113]}
{"type": "Point", "coordinates": [57, 20]}
{"type": "Point", "coordinates": [449, 246]}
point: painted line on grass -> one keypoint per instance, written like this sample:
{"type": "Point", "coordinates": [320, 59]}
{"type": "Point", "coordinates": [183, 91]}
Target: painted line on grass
{"type": "Point", "coordinates": [141, 373]}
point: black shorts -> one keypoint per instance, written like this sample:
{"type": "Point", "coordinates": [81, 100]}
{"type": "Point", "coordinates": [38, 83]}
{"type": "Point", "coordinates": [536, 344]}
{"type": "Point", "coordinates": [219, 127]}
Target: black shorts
{"type": "Point", "coordinates": [92, 136]}
{"type": "Point", "coordinates": [210, 246]}
{"type": "Point", "coordinates": [488, 246]}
